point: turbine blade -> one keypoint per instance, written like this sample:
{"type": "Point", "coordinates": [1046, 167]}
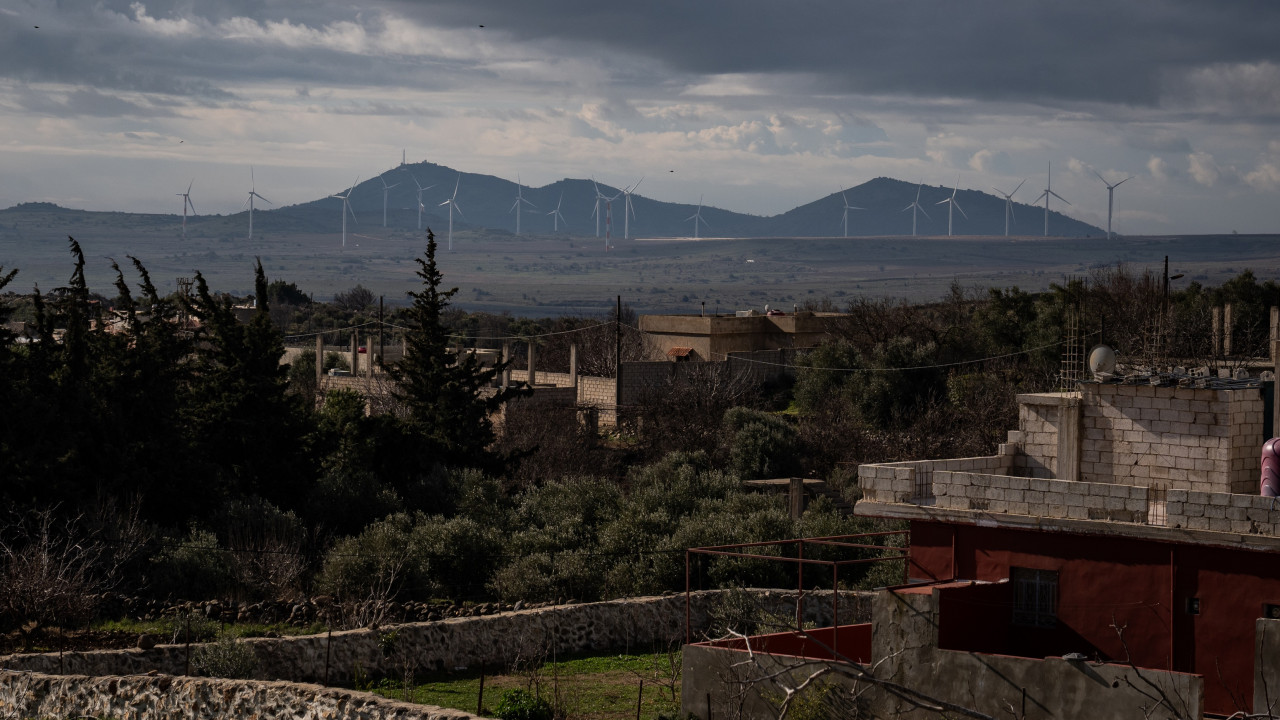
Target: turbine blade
{"type": "Point", "coordinates": [1122, 182]}
{"type": "Point", "coordinates": [1015, 190]}
{"type": "Point", "coordinates": [1104, 180]}
{"type": "Point", "coordinates": [943, 202]}
{"type": "Point", "coordinates": [459, 209]}
{"type": "Point", "coordinates": [1059, 197]}
{"type": "Point", "coordinates": [193, 182]}
{"type": "Point", "coordinates": [925, 213]}
{"type": "Point", "coordinates": [193, 205]}
{"type": "Point", "coordinates": [966, 217]}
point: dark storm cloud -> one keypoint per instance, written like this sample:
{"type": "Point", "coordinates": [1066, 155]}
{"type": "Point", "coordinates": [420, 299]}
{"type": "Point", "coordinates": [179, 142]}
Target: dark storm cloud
{"type": "Point", "coordinates": [1084, 50]}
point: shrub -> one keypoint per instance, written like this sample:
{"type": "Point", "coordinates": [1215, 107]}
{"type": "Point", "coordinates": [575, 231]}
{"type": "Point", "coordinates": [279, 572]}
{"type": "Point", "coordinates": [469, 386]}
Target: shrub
{"type": "Point", "coordinates": [523, 705]}
{"type": "Point", "coordinates": [192, 567]}
{"type": "Point", "coordinates": [761, 445]}
{"type": "Point", "coordinates": [225, 658]}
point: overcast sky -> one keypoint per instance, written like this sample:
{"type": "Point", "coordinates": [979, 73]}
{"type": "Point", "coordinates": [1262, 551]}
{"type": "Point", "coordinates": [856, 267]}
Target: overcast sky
{"type": "Point", "coordinates": [758, 106]}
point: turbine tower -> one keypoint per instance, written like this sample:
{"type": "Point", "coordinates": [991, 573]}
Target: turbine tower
{"type": "Point", "coordinates": [847, 208]}
{"type": "Point", "coordinates": [452, 202]}
{"type": "Point", "coordinates": [1008, 205]}
{"type": "Point", "coordinates": [697, 218]}
{"type": "Point", "coordinates": [1111, 197]}
{"type": "Point", "coordinates": [608, 221]}
{"type": "Point", "coordinates": [913, 207]}
{"type": "Point", "coordinates": [346, 208]}
{"type": "Point", "coordinates": [595, 209]}
{"type": "Point", "coordinates": [386, 189]}
{"type": "Point", "coordinates": [421, 190]}
{"type": "Point", "coordinates": [555, 214]}
{"type": "Point", "coordinates": [186, 203]}
{"type": "Point", "coordinates": [629, 210]}
{"type": "Point", "coordinates": [520, 201]}
{"type": "Point", "coordinates": [952, 204]}
{"type": "Point", "coordinates": [1048, 190]}
{"type": "Point", "coordinates": [253, 193]}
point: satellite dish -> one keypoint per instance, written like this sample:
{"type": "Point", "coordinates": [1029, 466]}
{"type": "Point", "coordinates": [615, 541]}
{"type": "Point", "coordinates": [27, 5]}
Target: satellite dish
{"type": "Point", "coordinates": [1102, 360]}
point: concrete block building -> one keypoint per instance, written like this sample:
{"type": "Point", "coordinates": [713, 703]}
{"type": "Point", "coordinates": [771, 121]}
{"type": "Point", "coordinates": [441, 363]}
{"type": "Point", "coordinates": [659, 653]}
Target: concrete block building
{"type": "Point", "coordinates": [1117, 539]}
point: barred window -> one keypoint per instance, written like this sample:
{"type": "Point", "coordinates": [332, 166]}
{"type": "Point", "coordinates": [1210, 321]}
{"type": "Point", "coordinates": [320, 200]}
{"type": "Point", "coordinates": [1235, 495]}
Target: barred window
{"type": "Point", "coordinates": [1035, 597]}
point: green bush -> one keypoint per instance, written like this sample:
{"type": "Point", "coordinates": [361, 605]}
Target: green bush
{"type": "Point", "coordinates": [761, 445]}
{"type": "Point", "coordinates": [380, 558]}
{"type": "Point", "coordinates": [192, 567]}
{"type": "Point", "coordinates": [225, 658]}
{"type": "Point", "coordinates": [523, 705]}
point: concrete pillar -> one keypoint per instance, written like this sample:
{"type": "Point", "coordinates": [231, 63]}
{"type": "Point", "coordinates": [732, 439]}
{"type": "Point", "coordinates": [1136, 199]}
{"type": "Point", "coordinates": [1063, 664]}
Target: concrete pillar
{"type": "Point", "coordinates": [573, 364]}
{"type": "Point", "coordinates": [533, 361]}
{"type": "Point", "coordinates": [355, 357]}
{"type": "Point", "coordinates": [1226, 329]}
{"type": "Point", "coordinates": [506, 361]}
{"type": "Point", "coordinates": [319, 361]}
{"type": "Point", "coordinates": [795, 497]}
{"type": "Point", "coordinates": [1275, 333]}
{"type": "Point", "coordinates": [1068, 439]}
{"type": "Point", "coordinates": [1216, 349]}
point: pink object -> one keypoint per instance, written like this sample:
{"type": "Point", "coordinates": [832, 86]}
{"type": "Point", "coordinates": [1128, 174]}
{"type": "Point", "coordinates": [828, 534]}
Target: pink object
{"type": "Point", "coordinates": [1271, 468]}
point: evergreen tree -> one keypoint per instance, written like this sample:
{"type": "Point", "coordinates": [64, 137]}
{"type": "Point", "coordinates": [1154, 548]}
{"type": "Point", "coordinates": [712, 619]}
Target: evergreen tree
{"type": "Point", "coordinates": [249, 428]}
{"type": "Point", "coordinates": [446, 399]}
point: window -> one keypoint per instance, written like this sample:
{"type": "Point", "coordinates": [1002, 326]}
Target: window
{"type": "Point", "coordinates": [1035, 597]}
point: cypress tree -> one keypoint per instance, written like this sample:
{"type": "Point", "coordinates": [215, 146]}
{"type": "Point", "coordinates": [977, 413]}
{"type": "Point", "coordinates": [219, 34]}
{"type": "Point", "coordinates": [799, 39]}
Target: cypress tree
{"type": "Point", "coordinates": [445, 398]}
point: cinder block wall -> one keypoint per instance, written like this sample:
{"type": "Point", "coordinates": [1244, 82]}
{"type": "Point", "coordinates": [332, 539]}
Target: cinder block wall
{"type": "Point", "coordinates": [1184, 438]}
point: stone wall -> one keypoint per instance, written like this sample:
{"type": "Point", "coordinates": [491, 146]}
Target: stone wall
{"type": "Point", "coordinates": [1183, 438]}
{"type": "Point", "coordinates": [160, 697]}
{"type": "Point", "coordinates": [642, 624]}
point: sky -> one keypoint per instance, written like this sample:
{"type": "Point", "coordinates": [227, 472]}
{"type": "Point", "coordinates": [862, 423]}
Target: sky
{"type": "Point", "coordinates": [756, 106]}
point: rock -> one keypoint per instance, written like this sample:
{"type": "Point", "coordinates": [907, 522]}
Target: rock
{"type": "Point", "coordinates": [518, 606]}
{"type": "Point", "coordinates": [146, 641]}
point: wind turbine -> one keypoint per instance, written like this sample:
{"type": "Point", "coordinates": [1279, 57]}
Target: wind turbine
{"type": "Point", "coordinates": [556, 213]}
{"type": "Point", "coordinates": [1008, 205]}
{"type": "Point", "coordinates": [1111, 196]}
{"type": "Point", "coordinates": [186, 202]}
{"type": "Point", "coordinates": [697, 218]}
{"type": "Point", "coordinates": [1048, 190]}
{"type": "Point", "coordinates": [421, 190]}
{"type": "Point", "coordinates": [452, 202]}
{"type": "Point", "coordinates": [847, 208]}
{"type": "Point", "coordinates": [952, 204]}
{"type": "Point", "coordinates": [629, 210]}
{"type": "Point", "coordinates": [346, 208]}
{"type": "Point", "coordinates": [595, 209]}
{"type": "Point", "coordinates": [913, 207]}
{"type": "Point", "coordinates": [520, 201]}
{"type": "Point", "coordinates": [253, 193]}
{"type": "Point", "coordinates": [386, 189]}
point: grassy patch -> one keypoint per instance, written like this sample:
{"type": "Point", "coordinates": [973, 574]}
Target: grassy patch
{"type": "Point", "coordinates": [203, 629]}
{"type": "Point", "coordinates": [600, 687]}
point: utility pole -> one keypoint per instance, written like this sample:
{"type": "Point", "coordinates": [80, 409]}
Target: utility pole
{"type": "Point", "coordinates": [380, 327]}
{"type": "Point", "coordinates": [617, 363]}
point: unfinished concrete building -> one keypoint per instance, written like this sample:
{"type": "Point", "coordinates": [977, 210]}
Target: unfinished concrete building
{"type": "Point", "coordinates": [1114, 558]}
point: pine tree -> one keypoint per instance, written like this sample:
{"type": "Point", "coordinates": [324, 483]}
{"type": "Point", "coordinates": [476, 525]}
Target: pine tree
{"type": "Point", "coordinates": [447, 399]}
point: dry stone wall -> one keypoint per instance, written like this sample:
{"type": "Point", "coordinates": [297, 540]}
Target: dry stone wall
{"type": "Point", "coordinates": [160, 697]}
{"type": "Point", "coordinates": [637, 624]}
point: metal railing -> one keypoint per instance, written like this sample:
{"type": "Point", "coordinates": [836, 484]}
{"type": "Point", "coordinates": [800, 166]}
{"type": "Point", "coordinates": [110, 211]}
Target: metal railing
{"type": "Point", "coordinates": [743, 550]}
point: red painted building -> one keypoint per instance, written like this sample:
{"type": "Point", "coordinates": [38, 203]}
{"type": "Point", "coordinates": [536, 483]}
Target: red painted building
{"type": "Point", "coordinates": [1120, 522]}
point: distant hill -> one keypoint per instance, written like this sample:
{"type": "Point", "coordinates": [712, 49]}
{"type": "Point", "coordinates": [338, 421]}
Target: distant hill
{"type": "Point", "coordinates": [486, 205]}
{"type": "Point", "coordinates": [486, 202]}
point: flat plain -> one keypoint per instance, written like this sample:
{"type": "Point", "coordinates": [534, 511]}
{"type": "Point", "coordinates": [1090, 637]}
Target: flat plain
{"type": "Point", "coordinates": [552, 275]}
